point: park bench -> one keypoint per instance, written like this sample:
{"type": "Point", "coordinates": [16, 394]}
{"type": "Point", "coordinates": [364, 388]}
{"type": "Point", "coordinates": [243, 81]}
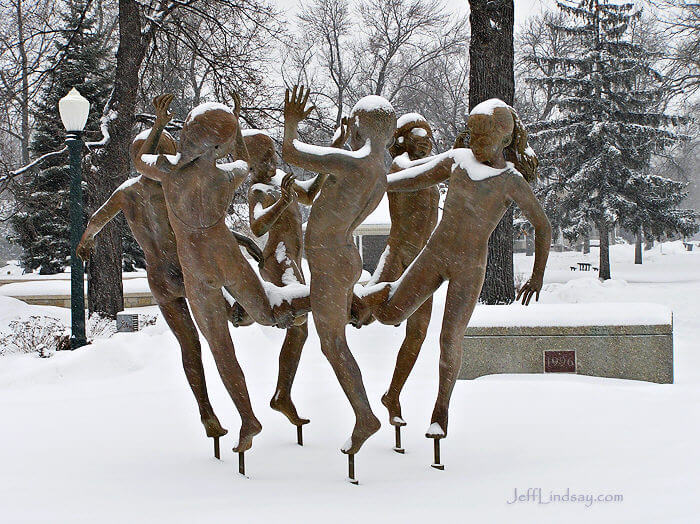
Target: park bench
{"type": "Point", "coordinates": [584, 266]}
{"type": "Point", "coordinates": [630, 341]}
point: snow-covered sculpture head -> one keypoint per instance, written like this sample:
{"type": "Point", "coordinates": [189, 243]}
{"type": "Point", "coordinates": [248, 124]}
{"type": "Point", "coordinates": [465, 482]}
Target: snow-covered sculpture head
{"type": "Point", "coordinates": [166, 144]}
{"type": "Point", "coordinates": [372, 118]}
{"type": "Point", "coordinates": [413, 136]}
{"type": "Point", "coordinates": [261, 155]}
{"type": "Point", "coordinates": [210, 128]}
{"type": "Point", "coordinates": [495, 129]}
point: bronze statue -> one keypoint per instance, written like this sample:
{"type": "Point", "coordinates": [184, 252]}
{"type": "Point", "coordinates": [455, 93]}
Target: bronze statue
{"type": "Point", "coordinates": [414, 215]}
{"type": "Point", "coordinates": [482, 184]}
{"type": "Point", "coordinates": [355, 185]}
{"type": "Point", "coordinates": [197, 193]}
{"type": "Point", "coordinates": [143, 204]}
{"type": "Point", "coordinates": [273, 209]}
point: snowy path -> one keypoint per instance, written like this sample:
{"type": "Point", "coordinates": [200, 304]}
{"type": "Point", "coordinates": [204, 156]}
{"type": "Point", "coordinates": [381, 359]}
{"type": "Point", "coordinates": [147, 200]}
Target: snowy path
{"type": "Point", "coordinates": [111, 433]}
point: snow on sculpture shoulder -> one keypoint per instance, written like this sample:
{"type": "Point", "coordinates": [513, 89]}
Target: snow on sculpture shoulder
{"type": "Point", "coordinates": [303, 147]}
{"type": "Point", "coordinates": [464, 159]}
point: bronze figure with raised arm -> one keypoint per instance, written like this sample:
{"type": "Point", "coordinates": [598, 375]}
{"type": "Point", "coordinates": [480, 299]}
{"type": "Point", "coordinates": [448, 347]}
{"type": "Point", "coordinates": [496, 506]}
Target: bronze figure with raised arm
{"type": "Point", "coordinates": [197, 193]}
{"type": "Point", "coordinates": [354, 187]}
{"type": "Point", "coordinates": [273, 209]}
{"type": "Point", "coordinates": [482, 184]}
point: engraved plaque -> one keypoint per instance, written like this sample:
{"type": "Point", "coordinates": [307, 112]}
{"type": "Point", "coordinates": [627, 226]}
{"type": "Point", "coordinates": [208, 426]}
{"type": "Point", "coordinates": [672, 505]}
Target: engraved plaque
{"type": "Point", "coordinates": [127, 322]}
{"type": "Point", "coordinates": [559, 361]}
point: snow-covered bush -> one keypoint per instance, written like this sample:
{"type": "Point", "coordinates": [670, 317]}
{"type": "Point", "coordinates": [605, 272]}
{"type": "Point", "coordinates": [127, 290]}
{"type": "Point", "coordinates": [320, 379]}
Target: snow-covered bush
{"type": "Point", "coordinates": [99, 326]}
{"type": "Point", "coordinates": [40, 334]}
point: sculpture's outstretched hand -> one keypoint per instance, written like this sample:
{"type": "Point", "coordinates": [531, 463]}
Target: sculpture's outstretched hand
{"type": "Point", "coordinates": [531, 288]}
{"type": "Point", "coordinates": [295, 104]}
{"type": "Point", "coordinates": [85, 247]}
{"type": "Point", "coordinates": [161, 104]}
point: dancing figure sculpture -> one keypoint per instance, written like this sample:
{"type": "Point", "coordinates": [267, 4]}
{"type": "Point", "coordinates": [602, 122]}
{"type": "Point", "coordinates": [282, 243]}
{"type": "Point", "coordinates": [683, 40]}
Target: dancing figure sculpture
{"type": "Point", "coordinates": [482, 185]}
{"type": "Point", "coordinates": [355, 185]}
{"type": "Point", "coordinates": [197, 193]}
{"type": "Point", "coordinates": [414, 215]}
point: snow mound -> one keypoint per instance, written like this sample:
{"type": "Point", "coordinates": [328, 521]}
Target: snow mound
{"type": "Point", "coordinates": [588, 314]}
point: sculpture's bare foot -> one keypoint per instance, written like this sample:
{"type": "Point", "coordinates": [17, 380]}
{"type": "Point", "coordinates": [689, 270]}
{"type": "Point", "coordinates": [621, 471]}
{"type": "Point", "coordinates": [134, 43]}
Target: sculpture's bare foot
{"type": "Point", "coordinates": [394, 408]}
{"type": "Point", "coordinates": [362, 431]}
{"type": "Point", "coordinates": [284, 405]}
{"type": "Point", "coordinates": [246, 434]}
{"type": "Point", "coordinates": [438, 426]}
{"type": "Point", "coordinates": [213, 427]}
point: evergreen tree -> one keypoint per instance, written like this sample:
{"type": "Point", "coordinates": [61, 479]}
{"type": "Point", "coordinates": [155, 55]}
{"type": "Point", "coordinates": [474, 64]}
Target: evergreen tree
{"type": "Point", "coordinates": [42, 226]}
{"type": "Point", "coordinates": [598, 144]}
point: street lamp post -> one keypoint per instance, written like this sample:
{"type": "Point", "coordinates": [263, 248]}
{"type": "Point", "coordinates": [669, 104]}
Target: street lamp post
{"type": "Point", "coordinates": [74, 109]}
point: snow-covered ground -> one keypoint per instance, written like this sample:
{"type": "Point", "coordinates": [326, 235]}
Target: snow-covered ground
{"type": "Point", "coordinates": [111, 433]}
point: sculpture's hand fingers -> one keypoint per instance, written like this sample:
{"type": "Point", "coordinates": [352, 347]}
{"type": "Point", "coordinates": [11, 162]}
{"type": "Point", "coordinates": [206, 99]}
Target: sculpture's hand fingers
{"type": "Point", "coordinates": [529, 297]}
{"type": "Point", "coordinates": [308, 111]}
{"type": "Point", "coordinates": [294, 95]}
{"type": "Point", "coordinates": [537, 296]}
{"type": "Point", "coordinates": [520, 292]}
{"type": "Point", "coordinates": [286, 97]}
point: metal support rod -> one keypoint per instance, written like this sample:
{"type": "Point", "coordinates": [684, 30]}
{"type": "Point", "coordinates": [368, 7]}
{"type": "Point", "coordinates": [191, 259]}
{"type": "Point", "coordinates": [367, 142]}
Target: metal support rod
{"type": "Point", "coordinates": [241, 463]}
{"type": "Point", "coordinates": [77, 286]}
{"type": "Point", "coordinates": [351, 469]}
{"type": "Point", "coordinates": [436, 452]}
{"type": "Point", "coordinates": [398, 447]}
{"type": "Point", "coordinates": [300, 436]}
{"type": "Point", "coordinates": [217, 449]}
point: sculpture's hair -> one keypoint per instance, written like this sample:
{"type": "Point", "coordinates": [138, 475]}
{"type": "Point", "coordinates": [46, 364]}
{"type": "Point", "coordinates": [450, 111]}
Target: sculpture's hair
{"type": "Point", "coordinates": [257, 145]}
{"type": "Point", "coordinates": [398, 147]}
{"type": "Point", "coordinates": [376, 114]}
{"type": "Point", "coordinates": [516, 148]}
{"type": "Point", "coordinates": [519, 152]}
{"type": "Point", "coordinates": [166, 145]}
{"type": "Point", "coordinates": [206, 130]}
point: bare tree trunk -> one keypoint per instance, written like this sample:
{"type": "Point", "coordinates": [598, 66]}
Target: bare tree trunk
{"type": "Point", "coordinates": [24, 98]}
{"type": "Point", "coordinates": [648, 244]}
{"type": "Point", "coordinates": [491, 76]}
{"type": "Point", "coordinates": [638, 248]}
{"type": "Point", "coordinates": [111, 164]}
{"type": "Point", "coordinates": [586, 245]}
{"type": "Point", "coordinates": [604, 257]}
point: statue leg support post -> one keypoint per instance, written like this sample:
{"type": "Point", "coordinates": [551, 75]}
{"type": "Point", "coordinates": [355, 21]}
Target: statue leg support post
{"type": "Point", "coordinates": [436, 455]}
{"type": "Point", "coordinates": [351, 469]}
{"type": "Point", "coordinates": [241, 463]}
{"type": "Point", "coordinates": [398, 448]}
{"type": "Point", "coordinates": [300, 435]}
{"type": "Point", "coordinates": [217, 449]}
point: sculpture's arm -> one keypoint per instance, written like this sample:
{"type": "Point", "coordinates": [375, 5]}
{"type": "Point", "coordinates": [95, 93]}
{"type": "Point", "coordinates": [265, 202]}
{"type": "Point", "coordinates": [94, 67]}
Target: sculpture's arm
{"type": "Point", "coordinates": [307, 190]}
{"type": "Point", "coordinates": [146, 162]}
{"type": "Point", "coordinates": [521, 193]}
{"type": "Point", "coordinates": [307, 156]}
{"type": "Point", "coordinates": [237, 172]}
{"type": "Point", "coordinates": [98, 220]}
{"type": "Point", "coordinates": [263, 218]}
{"type": "Point", "coordinates": [421, 176]}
